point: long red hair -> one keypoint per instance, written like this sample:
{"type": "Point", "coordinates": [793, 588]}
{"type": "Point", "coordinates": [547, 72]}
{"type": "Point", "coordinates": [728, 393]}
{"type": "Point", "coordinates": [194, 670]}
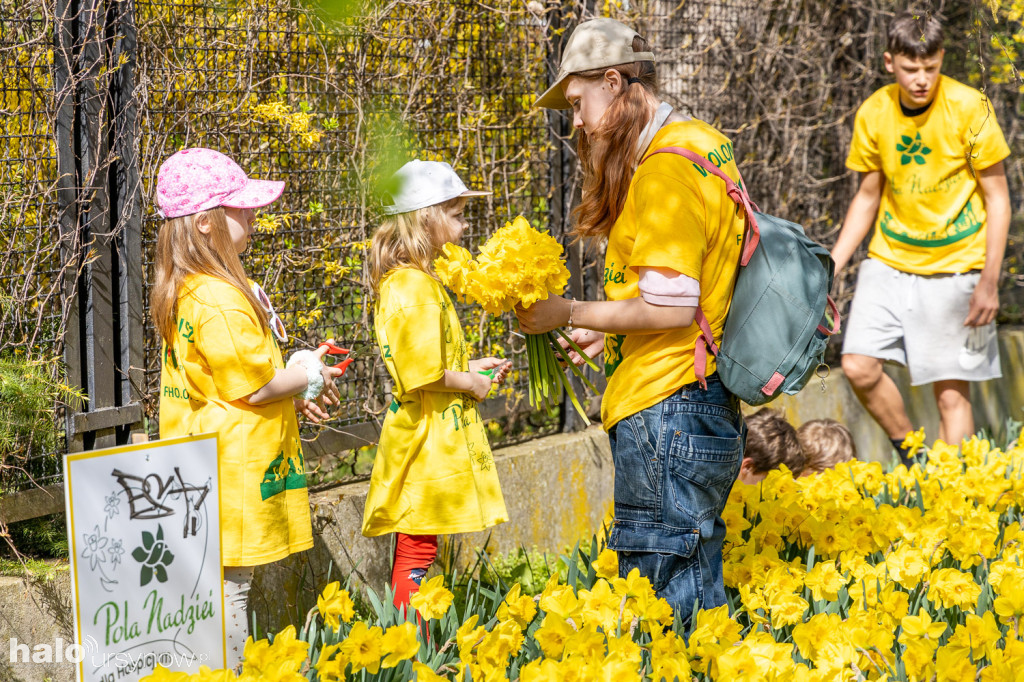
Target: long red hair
{"type": "Point", "coordinates": [606, 155]}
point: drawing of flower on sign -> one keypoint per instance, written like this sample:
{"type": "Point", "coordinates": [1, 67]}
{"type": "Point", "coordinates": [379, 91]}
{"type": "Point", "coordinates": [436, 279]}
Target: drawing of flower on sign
{"type": "Point", "coordinates": [113, 507]}
{"type": "Point", "coordinates": [93, 549]}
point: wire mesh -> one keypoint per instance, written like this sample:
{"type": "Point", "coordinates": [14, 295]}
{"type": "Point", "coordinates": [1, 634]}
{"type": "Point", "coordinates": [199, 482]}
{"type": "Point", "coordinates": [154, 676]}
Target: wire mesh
{"type": "Point", "coordinates": [329, 107]}
{"type": "Point", "coordinates": [332, 105]}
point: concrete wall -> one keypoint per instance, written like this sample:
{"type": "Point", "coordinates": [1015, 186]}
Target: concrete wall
{"type": "Point", "coordinates": [35, 611]}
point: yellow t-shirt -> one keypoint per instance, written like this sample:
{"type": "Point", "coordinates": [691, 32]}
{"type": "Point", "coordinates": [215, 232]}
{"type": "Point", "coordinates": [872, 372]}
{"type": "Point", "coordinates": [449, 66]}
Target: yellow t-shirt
{"type": "Point", "coordinates": [931, 218]}
{"type": "Point", "coordinates": [220, 355]}
{"type": "Point", "coordinates": [677, 216]}
{"type": "Point", "coordinates": [434, 472]}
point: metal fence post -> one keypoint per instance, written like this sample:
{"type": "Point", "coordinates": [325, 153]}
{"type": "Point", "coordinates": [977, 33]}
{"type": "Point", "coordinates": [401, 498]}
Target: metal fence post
{"type": "Point", "coordinates": [99, 217]}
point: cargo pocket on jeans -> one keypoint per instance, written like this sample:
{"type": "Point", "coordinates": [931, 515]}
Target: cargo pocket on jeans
{"type": "Point", "coordinates": [702, 470]}
{"type": "Point", "coordinates": [658, 552]}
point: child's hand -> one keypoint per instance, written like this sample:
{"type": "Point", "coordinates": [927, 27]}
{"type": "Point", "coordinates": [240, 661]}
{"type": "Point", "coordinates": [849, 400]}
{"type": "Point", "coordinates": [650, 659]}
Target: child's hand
{"type": "Point", "coordinates": [330, 394]}
{"type": "Point", "coordinates": [310, 410]}
{"type": "Point", "coordinates": [500, 366]}
{"type": "Point", "coordinates": [480, 385]}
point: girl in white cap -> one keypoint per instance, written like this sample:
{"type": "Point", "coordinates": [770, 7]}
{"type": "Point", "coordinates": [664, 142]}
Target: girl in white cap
{"type": "Point", "coordinates": [222, 370]}
{"type": "Point", "coordinates": [673, 240]}
{"type": "Point", "coordinates": [434, 473]}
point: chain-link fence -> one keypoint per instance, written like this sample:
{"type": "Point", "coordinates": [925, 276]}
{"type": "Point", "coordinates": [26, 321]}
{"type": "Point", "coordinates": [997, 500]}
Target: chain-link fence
{"type": "Point", "coordinates": [332, 104]}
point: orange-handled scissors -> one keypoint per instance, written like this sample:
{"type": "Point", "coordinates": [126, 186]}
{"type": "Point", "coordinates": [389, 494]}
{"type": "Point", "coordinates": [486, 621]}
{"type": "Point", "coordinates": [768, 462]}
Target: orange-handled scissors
{"type": "Point", "coordinates": [337, 350]}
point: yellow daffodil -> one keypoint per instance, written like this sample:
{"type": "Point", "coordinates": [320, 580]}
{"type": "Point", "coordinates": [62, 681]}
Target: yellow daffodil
{"type": "Point", "coordinates": [334, 603]}
{"type": "Point", "coordinates": [978, 634]}
{"type": "Point", "coordinates": [824, 581]}
{"type": "Point", "coordinates": [607, 564]}
{"type": "Point", "coordinates": [399, 644]}
{"type": "Point", "coordinates": [921, 626]}
{"type": "Point", "coordinates": [362, 647]}
{"type": "Point", "coordinates": [433, 599]}
{"type": "Point", "coordinates": [952, 588]}
{"type": "Point", "coordinates": [914, 441]}
{"type": "Point", "coordinates": [331, 665]}
{"type": "Point", "coordinates": [424, 673]}
{"type": "Point", "coordinates": [517, 607]}
{"type": "Point", "coordinates": [552, 635]}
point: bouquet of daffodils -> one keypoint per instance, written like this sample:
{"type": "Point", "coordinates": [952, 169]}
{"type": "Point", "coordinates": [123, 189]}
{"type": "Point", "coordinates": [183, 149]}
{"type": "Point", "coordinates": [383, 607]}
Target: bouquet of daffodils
{"type": "Point", "coordinates": [518, 264]}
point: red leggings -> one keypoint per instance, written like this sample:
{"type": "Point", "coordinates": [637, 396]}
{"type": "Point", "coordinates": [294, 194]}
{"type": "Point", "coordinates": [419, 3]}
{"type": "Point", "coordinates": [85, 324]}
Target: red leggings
{"type": "Point", "coordinates": [413, 556]}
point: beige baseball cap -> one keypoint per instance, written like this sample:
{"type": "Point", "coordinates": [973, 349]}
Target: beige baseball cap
{"type": "Point", "coordinates": [595, 44]}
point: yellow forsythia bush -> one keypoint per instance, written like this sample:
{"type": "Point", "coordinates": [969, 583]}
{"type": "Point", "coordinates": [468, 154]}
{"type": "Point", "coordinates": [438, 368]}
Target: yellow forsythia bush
{"type": "Point", "coordinates": [852, 574]}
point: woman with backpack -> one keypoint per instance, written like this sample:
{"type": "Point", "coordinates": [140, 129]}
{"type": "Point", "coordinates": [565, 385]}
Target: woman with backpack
{"type": "Point", "coordinates": [673, 240]}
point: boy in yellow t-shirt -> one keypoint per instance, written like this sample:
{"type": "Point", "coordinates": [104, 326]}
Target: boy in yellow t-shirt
{"type": "Point", "coordinates": [930, 153]}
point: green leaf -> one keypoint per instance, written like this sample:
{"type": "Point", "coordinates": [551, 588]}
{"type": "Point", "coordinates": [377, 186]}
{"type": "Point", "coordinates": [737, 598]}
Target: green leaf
{"type": "Point", "coordinates": [146, 574]}
{"type": "Point", "coordinates": [161, 573]}
{"type": "Point", "coordinates": [904, 160]}
{"type": "Point", "coordinates": [168, 558]}
{"type": "Point", "coordinates": [139, 554]}
{"type": "Point", "coordinates": [926, 150]}
{"type": "Point", "coordinates": [907, 140]}
{"type": "Point", "coordinates": [900, 147]}
{"type": "Point", "coordinates": [147, 539]}
{"type": "Point", "coordinates": [919, 159]}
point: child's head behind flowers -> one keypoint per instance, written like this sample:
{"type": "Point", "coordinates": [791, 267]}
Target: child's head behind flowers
{"type": "Point", "coordinates": [825, 443]}
{"type": "Point", "coordinates": [771, 442]}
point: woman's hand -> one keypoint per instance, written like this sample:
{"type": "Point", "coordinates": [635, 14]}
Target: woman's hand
{"type": "Point", "coordinates": [589, 341]}
{"type": "Point", "coordinates": [500, 366]}
{"type": "Point", "coordinates": [543, 316]}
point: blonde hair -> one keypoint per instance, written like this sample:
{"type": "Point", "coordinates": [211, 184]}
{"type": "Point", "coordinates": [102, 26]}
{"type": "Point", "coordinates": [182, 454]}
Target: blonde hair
{"type": "Point", "coordinates": [410, 240]}
{"type": "Point", "coordinates": [826, 443]}
{"type": "Point", "coordinates": [183, 250]}
{"type": "Point", "coordinates": [606, 155]}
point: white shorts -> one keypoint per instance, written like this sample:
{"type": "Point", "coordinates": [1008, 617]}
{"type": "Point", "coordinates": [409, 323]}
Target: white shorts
{"type": "Point", "coordinates": [918, 321]}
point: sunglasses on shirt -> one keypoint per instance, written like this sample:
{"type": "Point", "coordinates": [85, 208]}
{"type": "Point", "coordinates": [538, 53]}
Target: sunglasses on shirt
{"type": "Point", "coordinates": [276, 325]}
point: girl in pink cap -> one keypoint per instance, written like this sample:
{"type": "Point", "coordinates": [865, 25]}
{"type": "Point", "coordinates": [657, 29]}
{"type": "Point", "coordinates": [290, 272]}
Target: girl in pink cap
{"type": "Point", "coordinates": [223, 371]}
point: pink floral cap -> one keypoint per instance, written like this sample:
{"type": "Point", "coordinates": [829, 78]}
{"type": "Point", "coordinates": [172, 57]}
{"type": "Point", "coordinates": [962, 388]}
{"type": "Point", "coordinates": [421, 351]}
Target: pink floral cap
{"type": "Point", "coordinates": [198, 179]}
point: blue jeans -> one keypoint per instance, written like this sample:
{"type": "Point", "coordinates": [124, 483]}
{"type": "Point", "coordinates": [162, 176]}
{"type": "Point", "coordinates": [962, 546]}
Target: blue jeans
{"type": "Point", "coordinates": [675, 463]}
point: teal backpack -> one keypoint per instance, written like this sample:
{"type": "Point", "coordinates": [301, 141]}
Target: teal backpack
{"type": "Point", "coordinates": [778, 323]}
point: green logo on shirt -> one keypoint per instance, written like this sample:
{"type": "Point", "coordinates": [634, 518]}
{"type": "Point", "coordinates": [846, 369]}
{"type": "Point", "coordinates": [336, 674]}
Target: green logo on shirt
{"type": "Point", "coordinates": [912, 149]}
{"type": "Point", "coordinates": [283, 475]}
{"type": "Point", "coordinates": [612, 352]}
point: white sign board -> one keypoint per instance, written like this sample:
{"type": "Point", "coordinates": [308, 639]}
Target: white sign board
{"type": "Point", "coordinates": [144, 543]}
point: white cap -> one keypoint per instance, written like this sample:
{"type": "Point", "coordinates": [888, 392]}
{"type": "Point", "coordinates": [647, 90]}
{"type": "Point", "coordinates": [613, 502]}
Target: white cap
{"type": "Point", "coordinates": [419, 184]}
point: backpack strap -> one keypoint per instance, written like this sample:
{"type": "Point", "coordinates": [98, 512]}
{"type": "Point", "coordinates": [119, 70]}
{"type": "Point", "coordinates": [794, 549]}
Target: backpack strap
{"type": "Point", "coordinates": [704, 343]}
{"type": "Point", "coordinates": [706, 340]}
{"type": "Point", "coordinates": [836, 322]}
{"type": "Point", "coordinates": [736, 192]}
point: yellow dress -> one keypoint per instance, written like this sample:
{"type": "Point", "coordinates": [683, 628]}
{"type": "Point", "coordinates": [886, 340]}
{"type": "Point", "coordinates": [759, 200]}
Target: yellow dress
{"type": "Point", "coordinates": [434, 472]}
{"type": "Point", "coordinates": [219, 355]}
